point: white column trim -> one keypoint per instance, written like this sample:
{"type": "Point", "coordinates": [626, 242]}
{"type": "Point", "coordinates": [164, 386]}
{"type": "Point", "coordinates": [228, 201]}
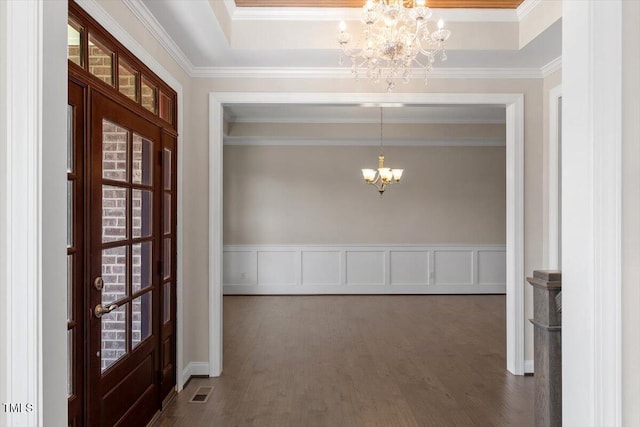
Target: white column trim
{"type": "Point", "coordinates": [22, 185]}
{"type": "Point", "coordinates": [215, 236]}
{"type": "Point", "coordinates": [554, 179]}
{"type": "Point", "coordinates": [515, 196]}
{"type": "Point", "coordinates": [592, 213]}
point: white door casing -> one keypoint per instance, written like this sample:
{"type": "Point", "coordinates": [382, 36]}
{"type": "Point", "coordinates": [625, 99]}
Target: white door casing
{"type": "Point", "coordinates": [515, 282]}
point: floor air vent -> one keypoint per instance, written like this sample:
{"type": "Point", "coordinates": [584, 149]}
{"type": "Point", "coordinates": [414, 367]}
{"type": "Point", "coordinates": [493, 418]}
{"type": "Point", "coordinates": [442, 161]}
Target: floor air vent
{"type": "Point", "coordinates": [202, 395]}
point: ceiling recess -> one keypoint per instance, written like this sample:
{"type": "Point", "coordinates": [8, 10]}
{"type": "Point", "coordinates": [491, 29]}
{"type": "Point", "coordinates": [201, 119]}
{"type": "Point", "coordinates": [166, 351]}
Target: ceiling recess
{"type": "Point", "coordinates": [458, 4]}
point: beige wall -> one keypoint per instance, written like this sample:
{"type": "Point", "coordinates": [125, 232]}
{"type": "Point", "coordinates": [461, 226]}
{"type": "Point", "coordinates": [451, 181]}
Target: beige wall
{"type": "Point", "coordinates": [315, 195]}
{"type": "Point", "coordinates": [630, 214]}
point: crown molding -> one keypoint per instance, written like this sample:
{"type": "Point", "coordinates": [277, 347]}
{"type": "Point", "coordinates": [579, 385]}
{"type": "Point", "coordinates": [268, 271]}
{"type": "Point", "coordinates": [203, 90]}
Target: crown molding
{"type": "Point", "coordinates": [345, 72]}
{"type": "Point", "coordinates": [288, 142]}
{"type": "Point", "coordinates": [144, 15]}
{"type": "Point", "coordinates": [551, 67]}
{"type": "Point", "coordinates": [353, 14]}
{"type": "Point", "coordinates": [525, 7]}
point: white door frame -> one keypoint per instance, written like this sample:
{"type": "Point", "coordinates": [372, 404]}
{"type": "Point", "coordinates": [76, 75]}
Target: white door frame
{"type": "Point", "coordinates": [554, 178]}
{"type": "Point", "coordinates": [514, 104]}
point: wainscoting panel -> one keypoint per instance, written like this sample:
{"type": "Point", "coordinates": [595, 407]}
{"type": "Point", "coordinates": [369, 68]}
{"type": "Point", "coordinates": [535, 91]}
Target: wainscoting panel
{"type": "Point", "coordinates": [321, 267]}
{"type": "Point", "coordinates": [491, 267]}
{"type": "Point", "coordinates": [454, 267]}
{"type": "Point", "coordinates": [364, 269]}
{"type": "Point", "coordinates": [409, 267]}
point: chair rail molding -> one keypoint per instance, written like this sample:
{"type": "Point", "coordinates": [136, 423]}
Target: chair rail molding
{"type": "Point", "coordinates": [515, 279]}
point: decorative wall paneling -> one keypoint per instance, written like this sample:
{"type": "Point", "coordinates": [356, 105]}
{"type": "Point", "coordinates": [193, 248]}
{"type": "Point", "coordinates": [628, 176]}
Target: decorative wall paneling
{"type": "Point", "coordinates": [369, 269]}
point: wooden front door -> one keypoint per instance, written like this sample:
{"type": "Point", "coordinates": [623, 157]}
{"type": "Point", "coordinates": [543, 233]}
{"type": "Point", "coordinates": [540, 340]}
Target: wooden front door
{"type": "Point", "coordinates": [125, 266]}
{"type": "Point", "coordinates": [122, 192]}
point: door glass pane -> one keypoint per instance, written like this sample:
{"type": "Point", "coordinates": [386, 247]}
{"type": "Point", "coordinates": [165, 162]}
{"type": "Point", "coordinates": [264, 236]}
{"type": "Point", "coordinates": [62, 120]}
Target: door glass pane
{"type": "Point", "coordinates": [142, 213]}
{"type": "Point", "coordinates": [114, 336]}
{"type": "Point", "coordinates": [115, 149]}
{"type": "Point", "coordinates": [166, 166]}
{"type": "Point", "coordinates": [141, 320]}
{"type": "Point", "coordinates": [142, 163]}
{"type": "Point", "coordinates": [167, 213]}
{"type": "Point", "coordinates": [114, 274]}
{"type": "Point", "coordinates": [100, 61]}
{"type": "Point", "coordinates": [70, 356]}
{"type": "Point", "coordinates": [166, 250]}
{"type": "Point", "coordinates": [142, 266]}
{"type": "Point", "coordinates": [148, 96]}
{"type": "Point", "coordinates": [127, 80]}
{"type": "Point", "coordinates": [74, 45]}
{"type": "Point", "coordinates": [166, 107]}
{"type": "Point", "coordinates": [70, 139]}
{"type": "Point", "coordinates": [166, 306]}
{"type": "Point", "coordinates": [114, 213]}
{"type": "Point", "coordinates": [69, 214]}
{"type": "Point", "coordinates": [70, 277]}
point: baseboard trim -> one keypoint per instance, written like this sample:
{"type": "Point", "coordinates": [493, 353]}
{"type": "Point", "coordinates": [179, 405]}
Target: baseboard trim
{"type": "Point", "coordinates": [528, 367]}
{"type": "Point", "coordinates": [194, 369]}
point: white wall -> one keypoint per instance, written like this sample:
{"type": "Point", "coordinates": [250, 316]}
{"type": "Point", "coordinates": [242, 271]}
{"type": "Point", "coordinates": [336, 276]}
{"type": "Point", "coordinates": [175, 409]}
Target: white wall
{"type": "Point", "coordinates": [3, 212]}
{"type": "Point", "coordinates": [630, 213]}
{"type": "Point", "coordinates": [281, 195]}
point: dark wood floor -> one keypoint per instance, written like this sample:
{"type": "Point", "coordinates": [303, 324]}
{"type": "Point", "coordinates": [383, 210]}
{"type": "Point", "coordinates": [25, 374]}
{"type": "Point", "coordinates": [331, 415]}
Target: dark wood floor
{"type": "Point", "coordinates": [361, 361]}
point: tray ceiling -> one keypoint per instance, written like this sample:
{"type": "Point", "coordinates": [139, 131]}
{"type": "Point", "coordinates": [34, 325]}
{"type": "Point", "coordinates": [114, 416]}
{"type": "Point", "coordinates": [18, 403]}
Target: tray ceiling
{"type": "Point", "coordinates": [472, 4]}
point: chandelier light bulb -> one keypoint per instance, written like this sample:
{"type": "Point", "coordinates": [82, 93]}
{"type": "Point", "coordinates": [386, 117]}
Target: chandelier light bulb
{"type": "Point", "coordinates": [396, 41]}
{"type": "Point", "coordinates": [342, 26]}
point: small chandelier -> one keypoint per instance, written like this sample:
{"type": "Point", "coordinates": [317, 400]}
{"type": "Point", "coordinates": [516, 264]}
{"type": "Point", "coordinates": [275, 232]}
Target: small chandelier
{"type": "Point", "coordinates": [396, 39]}
{"type": "Point", "coordinates": [384, 176]}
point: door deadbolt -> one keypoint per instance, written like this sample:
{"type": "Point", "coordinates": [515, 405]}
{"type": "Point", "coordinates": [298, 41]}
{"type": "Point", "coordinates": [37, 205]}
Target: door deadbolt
{"type": "Point", "coordinates": [98, 283]}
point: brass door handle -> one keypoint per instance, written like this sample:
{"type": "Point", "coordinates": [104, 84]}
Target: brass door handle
{"type": "Point", "coordinates": [100, 310]}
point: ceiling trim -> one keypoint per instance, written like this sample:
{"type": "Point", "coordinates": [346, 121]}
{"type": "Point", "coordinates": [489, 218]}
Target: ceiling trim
{"type": "Point", "coordinates": [525, 7]}
{"type": "Point", "coordinates": [144, 15]}
{"type": "Point", "coordinates": [353, 14]}
{"type": "Point", "coordinates": [552, 67]}
{"type": "Point", "coordinates": [344, 72]}
{"type": "Point", "coordinates": [288, 142]}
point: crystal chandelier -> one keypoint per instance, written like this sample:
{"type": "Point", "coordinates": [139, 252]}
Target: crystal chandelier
{"type": "Point", "coordinates": [395, 40]}
{"type": "Point", "coordinates": [384, 176]}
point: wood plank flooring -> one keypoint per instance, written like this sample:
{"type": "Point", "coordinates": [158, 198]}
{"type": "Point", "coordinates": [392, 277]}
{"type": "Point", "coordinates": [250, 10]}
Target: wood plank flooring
{"type": "Point", "coordinates": [360, 361]}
